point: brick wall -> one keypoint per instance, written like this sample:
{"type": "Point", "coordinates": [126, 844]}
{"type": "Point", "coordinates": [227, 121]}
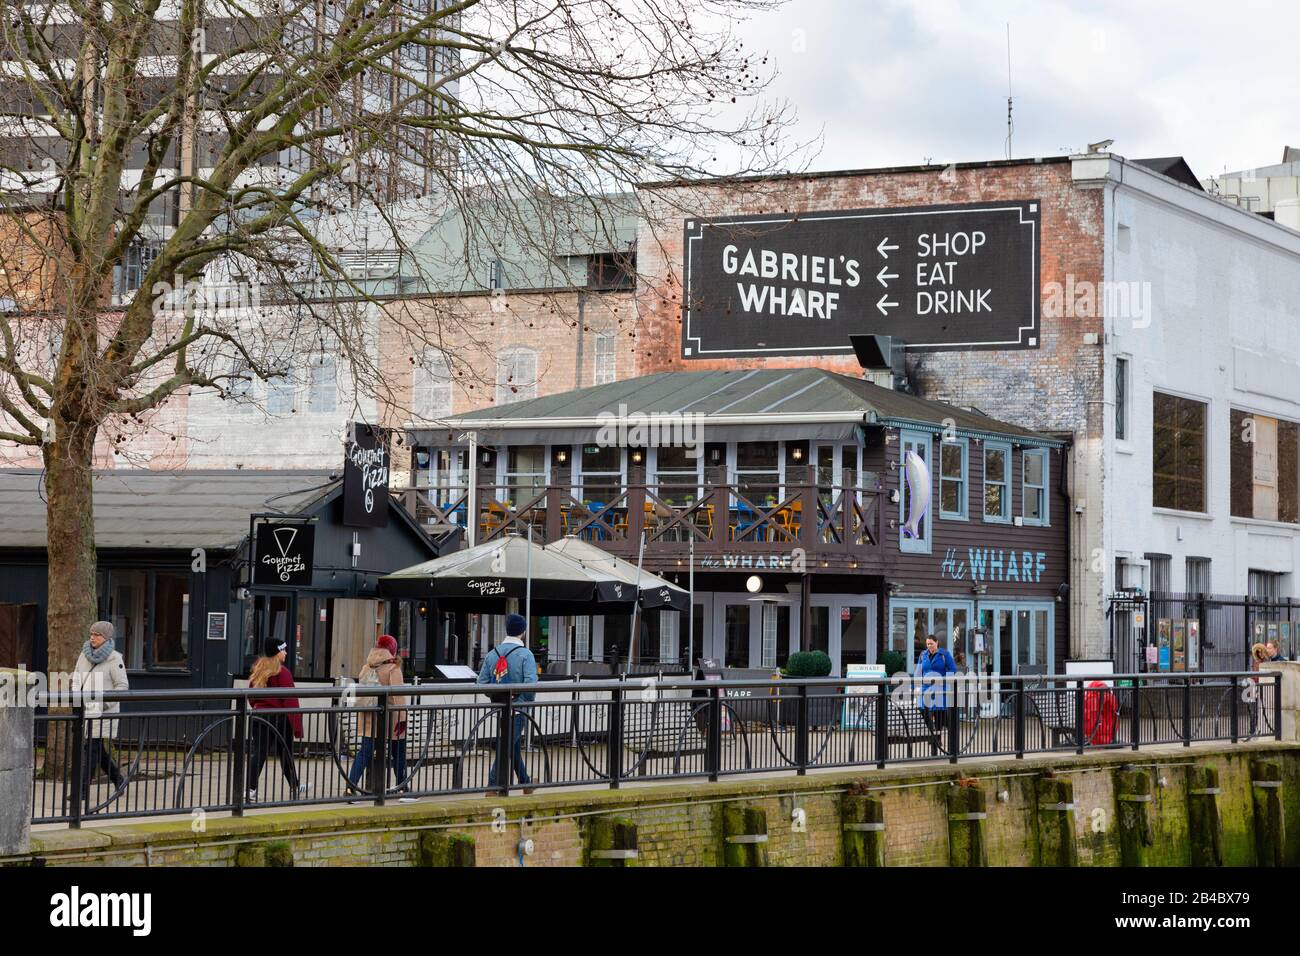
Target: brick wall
{"type": "Point", "coordinates": [680, 824]}
{"type": "Point", "coordinates": [1057, 387]}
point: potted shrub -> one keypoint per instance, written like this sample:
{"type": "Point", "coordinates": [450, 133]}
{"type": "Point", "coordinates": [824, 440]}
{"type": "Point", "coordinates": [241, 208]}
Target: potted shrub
{"type": "Point", "coordinates": [823, 702]}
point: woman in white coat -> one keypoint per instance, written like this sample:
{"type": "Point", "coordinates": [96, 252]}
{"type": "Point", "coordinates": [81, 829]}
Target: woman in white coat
{"type": "Point", "coordinates": [100, 668]}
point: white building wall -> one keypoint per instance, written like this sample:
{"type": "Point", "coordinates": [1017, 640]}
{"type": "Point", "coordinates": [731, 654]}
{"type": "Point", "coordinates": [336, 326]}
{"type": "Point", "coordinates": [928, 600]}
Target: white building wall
{"type": "Point", "coordinates": [1224, 328]}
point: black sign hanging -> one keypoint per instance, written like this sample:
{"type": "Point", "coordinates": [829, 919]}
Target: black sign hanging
{"type": "Point", "coordinates": [365, 478]}
{"type": "Point", "coordinates": [285, 554]}
{"type": "Point", "coordinates": [936, 277]}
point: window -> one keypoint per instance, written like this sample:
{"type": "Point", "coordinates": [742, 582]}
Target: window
{"type": "Point", "coordinates": [1264, 464]}
{"type": "Point", "coordinates": [952, 479]}
{"type": "Point", "coordinates": [496, 274]}
{"type": "Point", "coordinates": [606, 364]}
{"type": "Point", "coordinates": [669, 622]}
{"type": "Point", "coordinates": [1178, 454]}
{"type": "Point", "coordinates": [1160, 573]}
{"type": "Point", "coordinates": [1121, 399]}
{"type": "Point", "coordinates": [1198, 576]}
{"type": "Point", "coordinates": [602, 474]}
{"type": "Point", "coordinates": [135, 265]}
{"type": "Point", "coordinates": [912, 539]}
{"type": "Point", "coordinates": [525, 472]}
{"type": "Point", "coordinates": [607, 270]}
{"type": "Point", "coordinates": [516, 375]}
{"type": "Point", "coordinates": [1033, 490]}
{"type": "Point", "coordinates": [431, 387]}
{"type": "Point", "coordinates": [1265, 584]}
{"type": "Point", "coordinates": [322, 394]}
{"type": "Point", "coordinates": [997, 482]}
{"type": "Point", "coordinates": [150, 613]}
{"type": "Point", "coordinates": [758, 474]}
{"type": "Point", "coordinates": [279, 395]}
{"type": "Point", "coordinates": [677, 474]}
{"type": "Point", "coordinates": [582, 638]}
{"type": "Point", "coordinates": [241, 382]}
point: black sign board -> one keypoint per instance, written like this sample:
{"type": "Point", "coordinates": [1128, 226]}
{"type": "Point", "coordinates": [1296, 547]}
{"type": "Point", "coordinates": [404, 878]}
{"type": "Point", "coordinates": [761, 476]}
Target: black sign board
{"type": "Point", "coordinates": [365, 478]}
{"type": "Point", "coordinates": [285, 553]}
{"type": "Point", "coordinates": [938, 278]}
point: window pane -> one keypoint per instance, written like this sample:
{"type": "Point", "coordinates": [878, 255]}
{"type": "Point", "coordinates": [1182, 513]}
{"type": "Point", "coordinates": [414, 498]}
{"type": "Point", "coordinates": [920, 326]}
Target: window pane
{"type": "Point", "coordinates": [951, 460]}
{"type": "Point", "coordinates": [598, 458]}
{"type": "Point", "coordinates": [737, 636]}
{"type": "Point", "coordinates": [995, 465]}
{"type": "Point", "coordinates": [994, 501]}
{"type": "Point", "coordinates": [127, 593]}
{"type": "Point", "coordinates": [1041, 637]}
{"type": "Point", "coordinates": [1178, 453]}
{"type": "Point", "coordinates": [171, 629]}
{"type": "Point", "coordinates": [756, 454]}
{"type": "Point", "coordinates": [1033, 469]}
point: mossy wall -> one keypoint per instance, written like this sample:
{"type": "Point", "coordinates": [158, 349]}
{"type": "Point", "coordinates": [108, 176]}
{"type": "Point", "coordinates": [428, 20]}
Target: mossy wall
{"type": "Point", "coordinates": [683, 824]}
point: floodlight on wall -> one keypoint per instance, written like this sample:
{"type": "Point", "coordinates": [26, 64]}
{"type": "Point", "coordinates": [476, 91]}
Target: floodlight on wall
{"type": "Point", "coordinates": [562, 455]}
{"type": "Point", "coordinates": [754, 584]}
{"type": "Point", "coordinates": [797, 453]}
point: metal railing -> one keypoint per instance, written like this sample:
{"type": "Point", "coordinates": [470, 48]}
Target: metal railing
{"type": "Point", "coordinates": [185, 751]}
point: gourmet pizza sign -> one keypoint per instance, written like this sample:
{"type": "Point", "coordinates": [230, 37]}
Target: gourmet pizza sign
{"type": "Point", "coordinates": [936, 277]}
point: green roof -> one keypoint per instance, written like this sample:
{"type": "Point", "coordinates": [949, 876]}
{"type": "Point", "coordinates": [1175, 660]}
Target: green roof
{"type": "Point", "coordinates": [772, 394]}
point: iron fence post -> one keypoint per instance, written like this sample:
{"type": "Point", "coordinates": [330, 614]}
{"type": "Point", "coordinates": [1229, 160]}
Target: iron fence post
{"type": "Point", "coordinates": [1233, 716]}
{"type": "Point", "coordinates": [1020, 718]}
{"type": "Point", "coordinates": [506, 745]}
{"type": "Point", "coordinates": [713, 753]}
{"type": "Point", "coordinates": [616, 738]}
{"type": "Point", "coordinates": [1078, 716]}
{"type": "Point", "coordinates": [882, 725]}
{"type": "Point", "coordinates": [801, 731]}
{"type": "Point", "coordinates": [954, 721]}
{"type": "Point", "coordinates": [1187, 711]}
{"type": "Point", "coordinates": [381, 758]}
{"type": "Point", "coordinates": [1136, 717]}
{"type": "Point", "coordinates": [1277, 705]}
{"type": "Point", "coordinates": [241, 756]}
{"type": "Point", "coordinates": [79, 768]}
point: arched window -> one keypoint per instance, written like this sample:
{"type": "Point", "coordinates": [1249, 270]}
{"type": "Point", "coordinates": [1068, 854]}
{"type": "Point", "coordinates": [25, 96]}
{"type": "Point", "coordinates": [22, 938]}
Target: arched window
{"type": "Point", "coordinates": [431, 387]}
{"type": "Point", "coordinates": [516, 375]}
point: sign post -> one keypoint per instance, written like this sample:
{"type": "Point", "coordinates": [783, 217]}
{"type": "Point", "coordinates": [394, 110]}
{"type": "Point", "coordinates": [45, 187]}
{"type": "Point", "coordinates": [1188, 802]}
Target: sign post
{"type": "Point", "coordinates": [365, 477]}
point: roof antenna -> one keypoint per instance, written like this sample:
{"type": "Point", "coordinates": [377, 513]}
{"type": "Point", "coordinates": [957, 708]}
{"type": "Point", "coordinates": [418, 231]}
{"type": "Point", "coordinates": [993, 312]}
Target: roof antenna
{"type": "Point", "coordinates": [1010, 125]}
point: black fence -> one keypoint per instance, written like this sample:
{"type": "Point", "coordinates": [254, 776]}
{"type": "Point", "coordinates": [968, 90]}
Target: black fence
{"type": "Point", "coordinates": [1216, 632]}
{"type": "Point", "coordinates": [182, 752]}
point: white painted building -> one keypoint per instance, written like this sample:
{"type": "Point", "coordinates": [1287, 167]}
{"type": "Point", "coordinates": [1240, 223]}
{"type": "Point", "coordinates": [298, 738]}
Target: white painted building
{"type": "Point", "coordinates": [1202, 391]}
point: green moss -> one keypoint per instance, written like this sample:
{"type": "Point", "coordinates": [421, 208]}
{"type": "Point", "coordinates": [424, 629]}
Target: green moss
{"type": "Point", "coordinates": [862, 847]}
{"type": "Point", "coordinates": [966, 829]}
{"type": "Point", "coordinates": [441, 848]}
{"type": "Point", "coordinates": [1055, 825]}
{"type": "Point", "coordinates": [1133, 805]}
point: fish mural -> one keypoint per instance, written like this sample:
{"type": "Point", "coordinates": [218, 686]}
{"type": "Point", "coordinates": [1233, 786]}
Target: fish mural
{"type": "Point", "coordinates": [917, 476]}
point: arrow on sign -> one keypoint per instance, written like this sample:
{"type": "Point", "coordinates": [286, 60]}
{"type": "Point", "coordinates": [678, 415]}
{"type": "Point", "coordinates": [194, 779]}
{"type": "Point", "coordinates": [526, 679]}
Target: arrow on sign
{"type": "Point", "coordinates": [882, 247]}
{"type": "Point", "coordinates": [884, 274]}
{"type": "Point", "coordinates": [884, 304]}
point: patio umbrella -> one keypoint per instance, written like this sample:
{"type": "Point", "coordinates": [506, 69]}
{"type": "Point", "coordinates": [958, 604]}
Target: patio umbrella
{"type": "Point", "coordinates": [656, 592]}
{"type": "Point", "coordinates": [484, 577]}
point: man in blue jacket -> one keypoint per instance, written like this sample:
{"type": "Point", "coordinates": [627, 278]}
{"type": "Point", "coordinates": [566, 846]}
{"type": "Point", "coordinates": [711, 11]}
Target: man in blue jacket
{"type": "Point", "coordinates": [934, 668]}
{"type": "Point", "coordinates": [510, 662]}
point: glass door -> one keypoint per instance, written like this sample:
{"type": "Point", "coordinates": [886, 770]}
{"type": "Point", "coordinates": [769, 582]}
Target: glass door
{"type": "Point", "coordinates": [1020, 637]}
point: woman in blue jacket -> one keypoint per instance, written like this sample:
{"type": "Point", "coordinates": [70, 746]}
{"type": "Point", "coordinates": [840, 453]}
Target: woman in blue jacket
{"type": "Point", "coordinates": [933, 667]}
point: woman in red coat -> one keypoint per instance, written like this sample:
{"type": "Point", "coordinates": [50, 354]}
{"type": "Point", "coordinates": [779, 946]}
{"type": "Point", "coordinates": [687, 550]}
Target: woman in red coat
{"type": "Point", "coordinates": [274, 730]}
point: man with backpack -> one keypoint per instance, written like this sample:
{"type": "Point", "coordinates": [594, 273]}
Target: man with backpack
{"type": "Point", "coordinates": [510, 662]}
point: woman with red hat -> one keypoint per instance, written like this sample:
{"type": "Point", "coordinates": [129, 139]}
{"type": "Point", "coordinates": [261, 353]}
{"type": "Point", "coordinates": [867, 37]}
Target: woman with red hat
{"type": "Point", "coordinates": [382, 668]}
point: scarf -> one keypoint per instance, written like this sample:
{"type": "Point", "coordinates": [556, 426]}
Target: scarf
{"type": "Point", "coordinates": [100, 655]}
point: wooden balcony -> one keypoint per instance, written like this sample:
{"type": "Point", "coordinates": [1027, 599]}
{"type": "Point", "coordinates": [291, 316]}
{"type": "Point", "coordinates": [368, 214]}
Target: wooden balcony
{"type": "Point", "coordinates": [838, 528]}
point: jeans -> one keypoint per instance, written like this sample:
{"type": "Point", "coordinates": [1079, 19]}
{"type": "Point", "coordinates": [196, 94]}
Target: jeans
{"type": "Point", "coordinates": [275, 735]}
{"type": "Point", "coordinates": [521, 771]}
{"type": "Point", "coordinates": [366, 753]}
{"type": "Point", "coordinates": [97, 755]}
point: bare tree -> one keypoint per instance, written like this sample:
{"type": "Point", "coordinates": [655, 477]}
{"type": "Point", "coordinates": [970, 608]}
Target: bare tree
{"type": "Point", "coordinates": [172, 140]}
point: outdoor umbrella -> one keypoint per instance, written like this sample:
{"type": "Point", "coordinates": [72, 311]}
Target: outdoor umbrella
{"type": "Point", "coordinates": [656, 592]}
{"type": "Point", "coordinates": [484, 577]}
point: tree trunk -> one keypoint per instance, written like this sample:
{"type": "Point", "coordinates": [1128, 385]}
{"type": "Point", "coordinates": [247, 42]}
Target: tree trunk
{"type": "Point", "coordinates": [70, 608]}
{"type": "Point", "coordinates": [70, 521]}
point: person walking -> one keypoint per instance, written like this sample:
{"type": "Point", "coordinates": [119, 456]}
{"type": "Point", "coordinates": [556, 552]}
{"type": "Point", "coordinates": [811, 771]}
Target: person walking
{"type": "Point", "coordinates": [1274, 652]}
{"type": "Point", "coordinates": [382, 669]}
{"type": "Point", "coordinates": [934, 666]}
{"type": "Point", "coordinates": [510, 662]}
{"type": "Point", "coordinates": [99, 668]}
{"type": "Point", "coordinates": [273, 729]}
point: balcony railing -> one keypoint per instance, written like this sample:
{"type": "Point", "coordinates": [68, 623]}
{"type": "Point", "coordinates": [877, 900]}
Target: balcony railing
{"type": "Point", "coordinates": [716, 518]}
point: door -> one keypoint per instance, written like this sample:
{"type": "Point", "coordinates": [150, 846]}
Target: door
{"type": "Point", "coordinates": [857, 633]}
{"type": "Point", "coordinates": [912, 621]}
{"type": "Point", "coordinates": [1020, 637]}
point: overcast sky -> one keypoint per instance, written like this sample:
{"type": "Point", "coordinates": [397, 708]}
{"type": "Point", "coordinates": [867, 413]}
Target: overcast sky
{"type": "Point", "coordinates": [894, 82]}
